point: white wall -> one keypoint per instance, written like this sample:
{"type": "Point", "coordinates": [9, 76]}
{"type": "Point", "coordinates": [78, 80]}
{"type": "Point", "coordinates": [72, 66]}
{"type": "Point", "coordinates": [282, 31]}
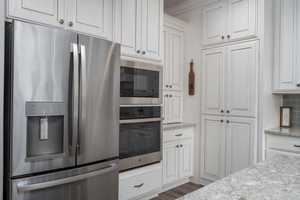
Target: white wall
{"type": "Point", "coordinates": [191, 104]}
{"type": "Point", "coordinates": [1, 91]}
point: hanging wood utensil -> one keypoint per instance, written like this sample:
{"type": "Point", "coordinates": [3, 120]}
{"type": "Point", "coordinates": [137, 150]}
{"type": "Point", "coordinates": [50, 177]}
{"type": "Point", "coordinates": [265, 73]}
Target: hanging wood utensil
{"type": "Point", "coordinates": [191, 79]}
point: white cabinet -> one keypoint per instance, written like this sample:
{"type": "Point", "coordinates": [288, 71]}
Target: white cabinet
{"type": "Point", "coordinates": [173, 59]}
{"type": "Point", "coordinates": [241, 135]}
{"type": "Point", "coordinates": [287, 44]}
{"type": "Point", "coordinates": [230, 80]}
{"type": "Point", "coordinates": [213, 148]}
{"type": "Point", "coordinates": [172, 107]}
{"type": "Point", "coordinates": [229, 20]}
{"type": "Point", "coordinates": [228, 145]}
{"type": "Point", "coordinates": [141, 34]}
{"type": "Point", "coordinates": [214, 23]}
{"type": "Point", "coordinates": [50, 12]}
{"type": "Point", "coordinates": [93, 17]}
{"type": "Point", "coordinates": [178, 155]}
{"type": "Point", "coordinates": [140, 183]}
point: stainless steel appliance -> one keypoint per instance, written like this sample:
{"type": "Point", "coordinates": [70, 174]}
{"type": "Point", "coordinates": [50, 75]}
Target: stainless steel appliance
{"type": "Point", "coordinates": [140, 83]}
{"type": "Point", "coordinates": [140, 136]}
{"type": "Point", "coordinates": [62, 115]}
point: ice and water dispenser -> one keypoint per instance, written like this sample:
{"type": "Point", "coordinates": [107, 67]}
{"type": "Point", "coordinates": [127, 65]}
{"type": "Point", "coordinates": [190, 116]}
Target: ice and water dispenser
{"type": "Point", "coordinates": [45, 130]}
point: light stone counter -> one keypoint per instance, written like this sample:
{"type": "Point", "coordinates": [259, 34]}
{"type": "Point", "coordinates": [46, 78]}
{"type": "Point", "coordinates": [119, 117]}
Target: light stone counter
{"type": "Point", "coordinates": [177, 126]}
{"type": "Point", "coordinates": [290, 132]}
{"type": "Point", "coordinates": [276, 179]}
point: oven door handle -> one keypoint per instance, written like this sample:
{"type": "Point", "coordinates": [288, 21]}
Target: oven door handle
{"type": "Point", "coordinates": [39, 186]}
{"type": "Point", "coordinates": [134, 121]}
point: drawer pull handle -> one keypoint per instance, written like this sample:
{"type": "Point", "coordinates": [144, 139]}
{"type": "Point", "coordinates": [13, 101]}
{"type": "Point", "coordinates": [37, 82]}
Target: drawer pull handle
{"type": "Point", "coordinates": [297, 145]}
{"type": "Point", "coordinates": [178, 135]}
{"type": "Point", "coordinates": [139, 186]}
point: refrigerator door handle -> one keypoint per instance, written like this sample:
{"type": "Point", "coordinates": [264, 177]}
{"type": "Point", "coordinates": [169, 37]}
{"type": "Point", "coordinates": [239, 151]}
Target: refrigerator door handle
{"type": "Point", "coordinates": [38, 186]}
{"type": "Point", "coordinates": [83, 93]}
{"type": "Point", "coordinates": [75, 96]}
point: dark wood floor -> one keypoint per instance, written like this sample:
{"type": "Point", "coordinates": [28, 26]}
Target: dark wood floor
{"type": "Point", "coordinates": [178, 192]}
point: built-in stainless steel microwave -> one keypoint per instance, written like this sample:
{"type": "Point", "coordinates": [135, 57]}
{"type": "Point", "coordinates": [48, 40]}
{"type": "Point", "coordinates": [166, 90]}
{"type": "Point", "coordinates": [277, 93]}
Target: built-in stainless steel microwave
{"type": "Point", "coordinates": [140, 83]}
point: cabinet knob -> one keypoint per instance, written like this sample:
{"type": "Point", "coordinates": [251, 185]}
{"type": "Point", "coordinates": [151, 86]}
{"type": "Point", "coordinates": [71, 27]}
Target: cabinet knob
{"type": "Point", "coordinates": [170, 95]}
{"type": "Point", "coordinates": [227, 121]}
{"type": "Point", "coordinates": [61, 21]}
{"type": "Point", "coordinates": [221, 120]}
{"type": "Point", "coordinates": [222, 111]}
{"type": "Point", "coordinates": [166, 95]}
{"type": "Point", "coordinates": [223, 37]}
{"type": "Point", "coordinates": [228, 111]}
{"type": "Point", "coordinates": [228, 36]}
{"type": "Point", "coordinates": [298, 85]}
{"type": "Point", "coordinates": [138, 51]}
{"type": "Point", "coordinates": [143, 52]}
{"type": "Point", "coordinates": [70, 24]}
{"type": "Point", "coordinates": [181, 145]}
{"type": "Point", "coordinates": [177, 146]}
{"type": "Point", "coordinates": [170, 86]}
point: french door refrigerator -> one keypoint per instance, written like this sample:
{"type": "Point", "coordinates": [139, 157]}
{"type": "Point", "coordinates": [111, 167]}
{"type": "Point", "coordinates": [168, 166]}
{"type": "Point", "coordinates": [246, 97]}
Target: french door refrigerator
{"type": "Point", "coordinates": [62, 115]}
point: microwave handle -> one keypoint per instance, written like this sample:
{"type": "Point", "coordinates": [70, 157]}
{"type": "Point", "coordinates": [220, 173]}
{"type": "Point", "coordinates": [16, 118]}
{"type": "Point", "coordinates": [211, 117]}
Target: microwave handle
{"type": "Point", "coordinates": [39, 186]}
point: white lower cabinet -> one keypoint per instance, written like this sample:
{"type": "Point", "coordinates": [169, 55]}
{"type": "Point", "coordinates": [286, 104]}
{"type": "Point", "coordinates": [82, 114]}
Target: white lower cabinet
{"type": "Point", "coordinates": [140, 183]}
{"type": "Point", "coordinates": [178, 155]}
{"type": "Point", "coordinates": [228, 145]}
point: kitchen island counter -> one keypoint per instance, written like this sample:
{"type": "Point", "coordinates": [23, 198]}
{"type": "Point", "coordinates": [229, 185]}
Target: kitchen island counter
{"type": "Point", "coordinates": [275, 179]}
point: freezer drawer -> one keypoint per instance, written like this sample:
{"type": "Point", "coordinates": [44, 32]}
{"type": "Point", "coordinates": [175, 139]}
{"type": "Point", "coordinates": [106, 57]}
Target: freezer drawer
{"type": "Point", "coordinates": [89, 183]}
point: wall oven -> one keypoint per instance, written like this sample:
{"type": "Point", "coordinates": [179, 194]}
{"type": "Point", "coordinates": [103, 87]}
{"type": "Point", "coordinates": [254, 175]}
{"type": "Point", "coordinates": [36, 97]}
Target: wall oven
{"type": "Point", "coordinates": [140, 83]}
{"type": "Point", "coordinates": [140, 136]}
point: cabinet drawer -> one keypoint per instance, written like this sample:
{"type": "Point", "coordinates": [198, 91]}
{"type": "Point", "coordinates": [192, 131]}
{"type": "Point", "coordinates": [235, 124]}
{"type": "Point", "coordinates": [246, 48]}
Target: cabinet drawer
{"type": "Point", "coordinates": [282, 143]}
{"type": "Point", "coordinates": [176, 134]}
{"type": "Point", "coordinates": [132, 187]}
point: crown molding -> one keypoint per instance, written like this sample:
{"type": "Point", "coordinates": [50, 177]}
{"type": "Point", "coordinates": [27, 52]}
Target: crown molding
{"type": "Point", "coordinates": [173, 22]}
{"type": "Point", "coordinates": [188, 5]}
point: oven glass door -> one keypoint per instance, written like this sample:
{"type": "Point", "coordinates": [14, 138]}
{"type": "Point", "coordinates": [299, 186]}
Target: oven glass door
{"type": "Point", "coordinates": [139, 139]}
{"type": "Point", "coordinates": [139, 83]}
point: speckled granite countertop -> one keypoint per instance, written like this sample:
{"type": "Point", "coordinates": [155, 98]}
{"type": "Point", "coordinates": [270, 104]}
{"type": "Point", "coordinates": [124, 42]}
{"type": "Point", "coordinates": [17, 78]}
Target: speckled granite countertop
{"type": "Point", "coordinates": [291, 132]}
{"type": "Point", "coordinates": [276, 179]}
{"type": "Point", "coordinates": [177, 125]}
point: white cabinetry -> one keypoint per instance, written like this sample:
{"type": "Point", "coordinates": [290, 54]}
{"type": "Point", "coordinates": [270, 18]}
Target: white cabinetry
{"type": "Point", "coordinates": [227, 145]}
{"type": "Point", "coordinates": [94, 17]}
{"type": "Point", "coordinates": [173, 69]}
{"type": "Point", "coordinates": [178, 155]}
{"type": "Point", "coordinates": [230, 80]}
{"type": "Point", "coordinates": [142, 27]}
{"type": "Point", "coordinates": [229, 20]}
{"type": "Point", "coordinates": [287, 44]}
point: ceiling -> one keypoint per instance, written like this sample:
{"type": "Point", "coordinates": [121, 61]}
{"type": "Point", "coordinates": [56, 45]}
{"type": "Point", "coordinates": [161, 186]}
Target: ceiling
{"type": "Point", "coordinates": [170, 3]}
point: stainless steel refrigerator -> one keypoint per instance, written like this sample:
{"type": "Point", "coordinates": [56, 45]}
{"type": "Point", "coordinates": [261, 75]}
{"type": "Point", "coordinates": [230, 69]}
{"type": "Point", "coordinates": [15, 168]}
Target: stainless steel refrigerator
{"type": "Point", "coordinates": [62, 115]}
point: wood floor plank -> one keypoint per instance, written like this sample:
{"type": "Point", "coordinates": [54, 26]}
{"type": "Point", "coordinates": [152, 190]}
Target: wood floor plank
{"type": "Point", "coordinates": [178, 192]}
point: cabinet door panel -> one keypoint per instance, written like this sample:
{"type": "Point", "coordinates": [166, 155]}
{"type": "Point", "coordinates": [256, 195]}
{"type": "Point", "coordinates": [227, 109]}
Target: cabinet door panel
{"type": "Point", "coordinates": [285, 68]}
{"type": "Point", "coordinates": [242, 18]}
{"type": "Point", "coordinates": [152, 28]}
{"type": "Point", "coordinates": [41, 11]}
{"type": "Point", "coordinates": [168, 61]}
{"type": "Point", "coordinates": [92, 17]}
{"type": "Point", "coordinates": [175, 107]}
{"type": "Point", "coordinates": [166, 108]}
{"type": "Point", "coordinates": [213, 81]}
{"type": "Point", "coordinates": [170, 162]}
{"type": "Point", "coordinates": [213, 148]}
{"type": "Point", "coordinates": [177, 61]}
{"type": "Point", "coordinates": [130, 31]}
{"type": "Point", "coordinates": [186, 158]}
{"type": "Point", "coordinates": [214, 23]}
{"type": "Point", "coordinates": [241, 134]}
{"type": "Point", "coordinates": [241, 83]}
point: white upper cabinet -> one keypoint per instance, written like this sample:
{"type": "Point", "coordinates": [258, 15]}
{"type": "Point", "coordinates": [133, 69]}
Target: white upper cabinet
{"type": "Point", "coordinates": [130, 32]}
{"type": "Point", "coordinates": [230, 77]}
{"type": "Point", "coordinates": [241, 134]}
{"type": "Point", "coordinates": [172, 107]}
{"type": "Point", "coordinates": [241, 79]}
{"type": "Point", "coordinates": [91, 16]}
{"type": "Point", "coordinates": [213, 81]}
{"type": "Point", "coordinates": [142, 29]}
{"type": "Point", "coordinates": [229, 20]}
{"type": "Point", "coordinates": [287, 44]}
{"type": "Point", "coordinates": [214, 23]}
{"type": "Point", "coordinates": [42, 11]}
